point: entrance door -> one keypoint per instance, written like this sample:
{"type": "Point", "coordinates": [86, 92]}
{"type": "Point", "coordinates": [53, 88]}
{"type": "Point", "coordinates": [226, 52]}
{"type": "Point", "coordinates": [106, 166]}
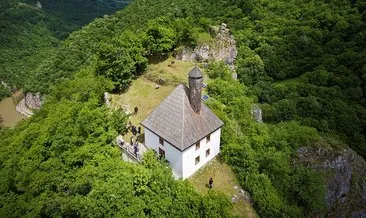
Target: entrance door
{"type": "Point", "coordinates": [161, 153]}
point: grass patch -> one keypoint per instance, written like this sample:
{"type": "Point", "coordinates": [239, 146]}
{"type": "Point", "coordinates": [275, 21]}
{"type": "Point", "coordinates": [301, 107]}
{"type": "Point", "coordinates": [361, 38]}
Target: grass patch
{"type": "Point", "coordinates": [143, 94]}
{"type": "Point", "coordinates": [172, 71]}
{"type": "Point", "coordinates": [224, 181]}
{"type": "Point", "coordinates": [169, 72]}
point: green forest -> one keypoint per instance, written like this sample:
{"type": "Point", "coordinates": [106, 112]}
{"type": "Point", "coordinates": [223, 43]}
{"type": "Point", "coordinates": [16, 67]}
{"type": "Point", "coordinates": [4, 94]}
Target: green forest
{"type": "Point", "coordinates": [30, 30]}
{"type": "Point", "coordinates": [302, 62]}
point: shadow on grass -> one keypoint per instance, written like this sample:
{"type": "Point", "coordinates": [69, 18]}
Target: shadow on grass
{"type": "Point", "coordinates": [141, 138]}
{"type": "Point", "coordinates": [120, 91]}
{"type": "Point", "coordinates": [220, 159]}
{"type": "Point", "coordinates": [157, 58]}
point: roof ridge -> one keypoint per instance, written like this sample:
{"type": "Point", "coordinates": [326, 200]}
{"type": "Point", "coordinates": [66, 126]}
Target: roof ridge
{"type": "Point", "coordinates": [184, 93]}
{"type": "Point", "coordinates": [165, 120]}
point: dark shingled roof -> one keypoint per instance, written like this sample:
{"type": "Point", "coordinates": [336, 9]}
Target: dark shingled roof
{"type": "Point", "coordinates": [195, 72]}
{"type": "Point", "coordinates": [175, 121]}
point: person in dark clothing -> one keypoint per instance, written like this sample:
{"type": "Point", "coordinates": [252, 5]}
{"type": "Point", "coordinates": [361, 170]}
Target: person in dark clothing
{"type": "Point", "coordinates": [139, 129]}
{"type": "Point", "coordinates": [136, 109]}
{"type": "Point", "coordinates": [134, 131]}
{"type": "Point", "coordinates": [210, 183]}
{"type": "Point", "coordinates": [136, 149]}
{"type": "Point", "coordinates": [131, 140]}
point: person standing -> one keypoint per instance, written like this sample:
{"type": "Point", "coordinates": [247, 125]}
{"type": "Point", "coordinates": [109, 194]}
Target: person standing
{"type": "Point", "coordinates": [136, 149]}
{"type": "Point", "coordinates": [134, 131]}
{"type": "Point", "coordinates": [210, 183]}
{"type": "Point", "coordinates": [131, 141]}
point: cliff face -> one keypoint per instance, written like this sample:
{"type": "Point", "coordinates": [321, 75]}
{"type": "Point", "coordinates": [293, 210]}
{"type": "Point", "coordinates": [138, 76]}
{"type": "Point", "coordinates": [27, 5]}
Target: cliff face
{"type": "Point", "coordinates": [345, 173]}
{"type": "Point", "coordinates": [223, 49]}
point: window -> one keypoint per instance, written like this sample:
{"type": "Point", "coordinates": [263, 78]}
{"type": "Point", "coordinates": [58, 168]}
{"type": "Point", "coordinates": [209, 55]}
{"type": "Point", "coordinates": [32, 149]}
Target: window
{"type": "Point", "coordinates": [161, 153]}
{"type": "Point", "coordinates": [197, 146]}
{"type": "Point", "coordinates": [208, 138]}
{"type": "Point", "coordinates": [207, 152]}
{"type": "Point", "coordinates": [161, 141]}
{"type": "Point", "coordinates": [197, 160]}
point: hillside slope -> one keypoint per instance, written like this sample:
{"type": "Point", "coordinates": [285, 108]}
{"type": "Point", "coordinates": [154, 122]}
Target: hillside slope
{"type": "Point", "coordinates": [301, 61]}
{"type": "Point", "coordinates": [30, 30]}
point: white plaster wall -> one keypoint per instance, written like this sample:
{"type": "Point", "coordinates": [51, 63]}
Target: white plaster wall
{"type": "Point", "coordinates": [189, 155]}
{"type": "Point", "coordinates": [172, 154]}
{"type": "Point", "coordinates": [151, 140]}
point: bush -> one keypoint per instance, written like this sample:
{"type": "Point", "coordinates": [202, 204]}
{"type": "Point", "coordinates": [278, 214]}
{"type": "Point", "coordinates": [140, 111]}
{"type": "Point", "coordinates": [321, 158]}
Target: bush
{"type": "Point", "coordinates": [268, 202]}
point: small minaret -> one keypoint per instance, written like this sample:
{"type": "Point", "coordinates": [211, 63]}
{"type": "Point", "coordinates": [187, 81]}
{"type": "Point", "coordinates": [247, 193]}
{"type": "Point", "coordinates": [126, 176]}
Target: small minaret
{"type": "Point", "coordinates": [195, 89]}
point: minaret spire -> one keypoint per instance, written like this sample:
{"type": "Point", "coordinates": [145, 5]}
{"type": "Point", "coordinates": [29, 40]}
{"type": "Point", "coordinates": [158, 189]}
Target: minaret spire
{"type": "Point", "coordinates": [195, 88]}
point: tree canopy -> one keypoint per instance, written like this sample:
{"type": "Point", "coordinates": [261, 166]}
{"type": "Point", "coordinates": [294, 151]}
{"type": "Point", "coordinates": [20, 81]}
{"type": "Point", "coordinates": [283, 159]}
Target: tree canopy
{"type": "Point", "coordinates": [302, 62]}
{"type": "Point", "coordinates": [63, 162]}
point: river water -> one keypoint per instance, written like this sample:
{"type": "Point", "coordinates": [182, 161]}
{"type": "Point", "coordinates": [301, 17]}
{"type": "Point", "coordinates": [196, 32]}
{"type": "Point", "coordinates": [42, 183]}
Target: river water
{"type": "Point", "coordinates": [10, 117]}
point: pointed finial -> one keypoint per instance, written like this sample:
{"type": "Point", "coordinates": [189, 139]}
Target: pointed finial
{"type": "Point", "coordinates": [195, 72]}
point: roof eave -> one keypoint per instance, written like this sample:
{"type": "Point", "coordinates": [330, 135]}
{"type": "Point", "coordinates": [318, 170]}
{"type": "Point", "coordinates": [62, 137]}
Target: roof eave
{"type": "Point", "coordinates": [203, 137]}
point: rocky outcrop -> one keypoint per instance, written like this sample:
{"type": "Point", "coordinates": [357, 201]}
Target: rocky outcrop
{"type": "Point", "coordinates": [257, 114]}
{"type": "Point", "coordinates": [39, 5]}
{"type": "Point", "coordinates": [241, 193]}
{"type": "Point", "coordinates": [33, 100]}
{"type": "Point", "coordinates": [345, 174]}
{"type": "Point", "coordinates": [107, 99]}
{"type": "Point", "coordinates": [22, 108]}
{"type": "Point", "coordinates": [223, 49]}
{"type": "Point", "coordinates": [30, 102]}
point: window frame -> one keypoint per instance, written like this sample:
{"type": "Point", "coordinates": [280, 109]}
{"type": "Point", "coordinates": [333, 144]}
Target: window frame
{"type": "Point", "coordinates": [197, 160]}
{"type": "Point", "coordinates": [208, 152]}
{"type": "Point", "coordinates": [161, 153]}
{"type": "Point", "coordinates": [161, 141]}
{"type": "Point", "coordinates": [208, 138]}
{"type": "Point", "coordinates": [198, 145]}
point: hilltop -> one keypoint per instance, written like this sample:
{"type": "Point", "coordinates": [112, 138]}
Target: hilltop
{"type": "Point", "coordinates": [301, 62]}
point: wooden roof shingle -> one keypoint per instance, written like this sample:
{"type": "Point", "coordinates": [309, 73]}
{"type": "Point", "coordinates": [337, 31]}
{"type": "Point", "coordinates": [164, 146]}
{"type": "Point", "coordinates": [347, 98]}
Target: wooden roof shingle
{"type": "Point", "coordinates": [175, 121]}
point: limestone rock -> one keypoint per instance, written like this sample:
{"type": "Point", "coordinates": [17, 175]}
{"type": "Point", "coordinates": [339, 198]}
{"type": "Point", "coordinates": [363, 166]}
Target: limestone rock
{"type": "Point", "coordinates": [257, 114]}
{"type": "Point", "coordinates": [23, 109]}
{"type": "Point", "coordinates": [186, 54]}
{"type": "Point", "coordinates": [107, 99]}
{"type": "Point", "coordinates": [345, 179]}
{"type": "Point", "coordinates": [223, 49]}
{"type": "Point", "coordinates": [33, 100]}
{"type": "Point", "coordinates": [30, 102]}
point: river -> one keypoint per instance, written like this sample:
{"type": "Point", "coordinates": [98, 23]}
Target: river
{"type": "Point", "coordinates": [10, 117]}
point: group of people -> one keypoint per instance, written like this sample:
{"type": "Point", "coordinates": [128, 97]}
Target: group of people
{"type": "Point", "coordinates": [136, 148]}
{"type": "Point", "coordinates": [135, 130]}
{"type": "Point", "coordinates": [135, 144]}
